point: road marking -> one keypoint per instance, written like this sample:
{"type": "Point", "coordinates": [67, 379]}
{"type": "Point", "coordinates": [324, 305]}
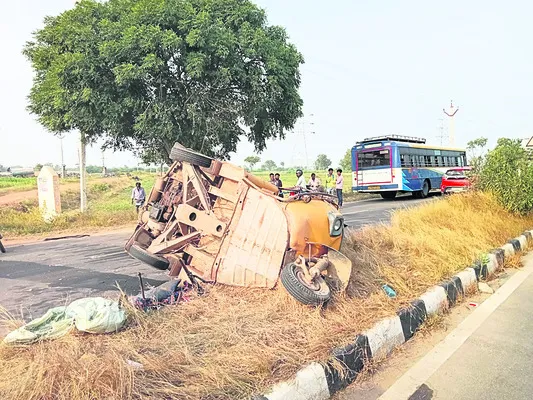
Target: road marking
{"type": "Point", "coordinates": [404, 387]}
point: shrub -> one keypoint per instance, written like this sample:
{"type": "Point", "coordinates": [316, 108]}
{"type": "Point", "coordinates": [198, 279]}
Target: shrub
{"type": "Point", "coordinates": [507, 172]}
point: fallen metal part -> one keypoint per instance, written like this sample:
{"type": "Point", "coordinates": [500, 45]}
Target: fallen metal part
{"type": "Point", "coordinates": [141, 284]}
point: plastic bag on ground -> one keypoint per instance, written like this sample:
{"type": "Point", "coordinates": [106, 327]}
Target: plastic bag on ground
{"type": "Point", "coordinates": [92, 315]}
{"type": "Point", "coordinates": [97, 315]}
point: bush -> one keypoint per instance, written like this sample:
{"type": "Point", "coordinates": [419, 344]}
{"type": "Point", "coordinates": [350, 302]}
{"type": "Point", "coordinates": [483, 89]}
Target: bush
{"type": "Point", "coordinates": [507, 172]}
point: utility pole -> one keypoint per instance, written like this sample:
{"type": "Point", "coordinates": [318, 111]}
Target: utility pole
{"type": "Point", "coordinates": [83, 171]}
{"type": "Point", "coordinates": [441, 136]}
{"type": "Point", "coordinates": [63, 168]}
{"type": "Point", "coordinates": [83, 174]}
{"type": "Point", "coordinates": [104, 169]}
{"type": "Point", "coordinates": [302, 130]}
{"type": "Point", "coordinates": [451, 125]}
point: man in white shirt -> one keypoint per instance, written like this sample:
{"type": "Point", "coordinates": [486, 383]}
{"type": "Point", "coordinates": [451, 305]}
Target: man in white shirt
{"type": "Point", "coordinates": [138, 196]}
{"type": "Point", "coordinates": [314, 183]}
{"type": "Point", "coordinates": [338, 186]}
{"type": "Point", "coordinates": [300, 183]}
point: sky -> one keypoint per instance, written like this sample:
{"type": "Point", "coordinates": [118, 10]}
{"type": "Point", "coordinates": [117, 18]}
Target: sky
{"type": "Point", "coordinates": [371, 68]}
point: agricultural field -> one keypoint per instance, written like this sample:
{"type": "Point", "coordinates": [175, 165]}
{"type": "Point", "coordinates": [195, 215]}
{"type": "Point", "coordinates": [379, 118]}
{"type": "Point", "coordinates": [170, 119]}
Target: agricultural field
{"type": "Point", "coordinates": [109, 206]}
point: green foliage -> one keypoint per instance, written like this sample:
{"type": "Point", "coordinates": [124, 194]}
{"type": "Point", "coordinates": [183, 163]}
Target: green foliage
{"type": "Point", "coordinates": [38, 167]}
{"type": "Point", "coordinates": [507, 172]}
{"type": "Point", "coordinates": [145, 73]}
{"type": "Point", "coordinates": [252, 160]}
{"type": "Point", "coordinates": [476, 150]}
{"type": "Point", "coordinates": [322, 162]}
{"type": "Point", "coordinates": [346, 161]}
{"type": "Point", "coordinates": [269, 165]}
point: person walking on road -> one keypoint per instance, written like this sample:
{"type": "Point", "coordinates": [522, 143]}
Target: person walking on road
{"type": "Point", "coordinates": [314, 183]}
{"type": "Point", "coordinates": [338, 186]}
{"type": "Point", "coordinates": [330, 182]}
{"type": "Point", "coordinates": [138, 196]}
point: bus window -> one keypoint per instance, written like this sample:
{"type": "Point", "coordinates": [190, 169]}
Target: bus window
{"type": "Point", "coordinates": [377, 158]}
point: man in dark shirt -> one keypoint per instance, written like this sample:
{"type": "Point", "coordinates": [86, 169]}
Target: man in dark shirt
{"type": "Point", "coordinates": [278, 183]}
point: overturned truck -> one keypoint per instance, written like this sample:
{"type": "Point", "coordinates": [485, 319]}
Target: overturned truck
{"type": "Point", "coordinates": [213, 222]}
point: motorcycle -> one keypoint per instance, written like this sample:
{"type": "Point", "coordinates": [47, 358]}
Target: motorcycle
{"type": "Point", "coordinates": [2, 248]}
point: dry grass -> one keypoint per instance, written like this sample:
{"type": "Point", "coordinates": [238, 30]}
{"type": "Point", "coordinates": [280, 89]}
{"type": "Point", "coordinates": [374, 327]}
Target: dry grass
{"type": "Point", "coordinates": [236, 342]}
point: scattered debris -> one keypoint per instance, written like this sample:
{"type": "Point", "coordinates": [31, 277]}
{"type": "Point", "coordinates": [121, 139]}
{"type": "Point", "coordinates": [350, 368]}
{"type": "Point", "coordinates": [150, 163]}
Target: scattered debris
{"type": "Point", "coordinates": [158, 297]}
{"type": "Point", "coordinates": [135, 365]}
{"type": "Point", "coordinates": [484, 288]}
{"type": "Point", "coordinates": [389, 291]}
{"type": "Point", "coordinates": [473, 305]}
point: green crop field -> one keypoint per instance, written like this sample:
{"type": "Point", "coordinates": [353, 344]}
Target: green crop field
{"type": "Point", "coordinates": [8, 184]}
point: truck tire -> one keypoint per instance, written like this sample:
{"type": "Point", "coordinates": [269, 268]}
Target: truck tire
{"type": "Point", "coordinates": [152, 260]}
{"type": "Point", "coordinates": [180, 153]}
{"type": "Point", "coordinates": [292, 279]}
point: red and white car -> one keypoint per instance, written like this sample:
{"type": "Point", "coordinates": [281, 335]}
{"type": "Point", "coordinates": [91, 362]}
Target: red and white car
{"type": "Point", "coordinates": [455, 180]}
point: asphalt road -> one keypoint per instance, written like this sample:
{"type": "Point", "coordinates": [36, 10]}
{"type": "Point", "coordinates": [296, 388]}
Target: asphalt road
{"type": "Point", "coordinates": [35, 277]}
{"type": "Point", "coordinates": [488, 356]}
{"type": "Point", "coordinates": [373, 211]}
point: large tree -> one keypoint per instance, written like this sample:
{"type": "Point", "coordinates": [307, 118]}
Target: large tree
{"type": "Point", "coordinates": [146, 73]}
{"type": "Point", "coordinates": [322, 162]}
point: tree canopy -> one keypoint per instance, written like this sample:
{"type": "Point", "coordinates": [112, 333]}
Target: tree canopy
{"type": "Point", "coordinates": [252, 160]}
{"type": "Point", "coordinates": [346, 161]}
{"type": "Point", "coordinates": [322, 162]}
{"type": "Point", "coordinates": [269, 165]}
{"type": "Point", "coordinates": [143, 74]}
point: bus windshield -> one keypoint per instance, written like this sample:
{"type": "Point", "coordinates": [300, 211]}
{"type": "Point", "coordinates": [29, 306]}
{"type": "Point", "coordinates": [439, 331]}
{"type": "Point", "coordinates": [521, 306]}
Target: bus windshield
{"type": "Point", "coordinates": [374, 158]}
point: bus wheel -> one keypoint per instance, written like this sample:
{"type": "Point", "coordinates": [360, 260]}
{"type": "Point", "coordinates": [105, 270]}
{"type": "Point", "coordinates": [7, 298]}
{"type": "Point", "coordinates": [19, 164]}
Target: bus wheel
{"type": "Point", "coordinates": [388, 195]}
{"type": "Point", "coordinates": [425, 190]}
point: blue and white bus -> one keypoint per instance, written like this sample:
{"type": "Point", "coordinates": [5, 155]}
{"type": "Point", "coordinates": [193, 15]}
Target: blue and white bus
{"type": "Point", "coordinates": [392, 164]}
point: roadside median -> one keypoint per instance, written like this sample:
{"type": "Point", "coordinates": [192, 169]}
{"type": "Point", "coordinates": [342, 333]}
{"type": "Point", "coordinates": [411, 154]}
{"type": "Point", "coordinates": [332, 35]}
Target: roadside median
{"type": "Point", "coordinates": [236, 343]}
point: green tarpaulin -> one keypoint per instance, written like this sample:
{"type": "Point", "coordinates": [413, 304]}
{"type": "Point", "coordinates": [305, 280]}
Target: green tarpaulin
{"type": "Point", "coordinates": [92, 315]}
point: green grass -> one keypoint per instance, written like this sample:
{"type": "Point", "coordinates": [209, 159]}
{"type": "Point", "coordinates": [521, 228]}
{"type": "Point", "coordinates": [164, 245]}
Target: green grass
{"type": "Point", "coordinates": [109, 205]}
{"type": "Point", "coordinates": [8, 184]}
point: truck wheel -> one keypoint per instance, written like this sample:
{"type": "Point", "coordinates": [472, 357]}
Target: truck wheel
{"type": "Point", "coordinates": [292, 278]}
{"type": "Point", "coordinates": [180, 153]}
{"type": "Point", "coordinates": [388, 195]}
{"type": "Point", "coordinates": [151, 259]}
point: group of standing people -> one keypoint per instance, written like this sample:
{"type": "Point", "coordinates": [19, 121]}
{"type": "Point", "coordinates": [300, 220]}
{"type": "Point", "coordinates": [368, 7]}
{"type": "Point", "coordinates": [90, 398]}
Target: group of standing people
{"type": "Point", "coordinates": [332, 185]}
